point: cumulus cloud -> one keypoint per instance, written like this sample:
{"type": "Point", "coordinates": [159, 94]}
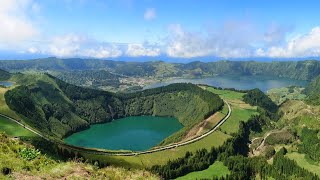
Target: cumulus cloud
{"type": "Point", "coordinates": [306, 45]}
{"type": "Point", "coordinates": [136, 50]}
{"type": "Point", "coordinates": [229, 41]}
{"type": "Point", "coordinates": [15, 23]}
{"type": "Point", "coordinates": [75, 45]}
{"type": "Point", "coordinates": [150, 14]}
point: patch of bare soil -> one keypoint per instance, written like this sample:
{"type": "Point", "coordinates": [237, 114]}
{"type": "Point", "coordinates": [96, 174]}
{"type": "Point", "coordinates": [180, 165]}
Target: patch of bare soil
{"type": "Point", "coordinates": [199, 129]}
{"type": "Point", "coordinates": [258, 145]}
{"type": "Point", "coordinates": [240, 104]}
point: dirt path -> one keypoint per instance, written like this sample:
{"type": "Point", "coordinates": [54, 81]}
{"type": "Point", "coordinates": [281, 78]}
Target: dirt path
{"type": "Point", "coordinates": [198, 129]}
{"type": "Point", "coordinates": [258, 149]}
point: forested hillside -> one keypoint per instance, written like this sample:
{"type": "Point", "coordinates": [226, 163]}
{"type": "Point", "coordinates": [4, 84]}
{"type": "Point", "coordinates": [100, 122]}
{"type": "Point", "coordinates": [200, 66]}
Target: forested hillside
{"type": "Point", "coordinates": [4, 75]}
{"type": "Point", "coordinates": [301, 70]}
{"type": "Point", "coordinates": [59, 109]}
{"type": "Point", "coordinates": [256, 97]}
{"type": "Point", "coordinates": [313, 91]}
{"type": "Point", "coordinates": [90, 78]}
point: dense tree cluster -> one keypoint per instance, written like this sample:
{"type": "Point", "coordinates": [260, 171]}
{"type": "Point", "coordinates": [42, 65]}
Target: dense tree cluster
{"type": "Point", "coordinates": [250, 168]}
{"type": "Point", "coordinates": [310, 143]}
{"type": "Point", "coordinates": [256, 97]}
{"type": "Point", "coordinates": [4, 75]}
{"type": "Point", "coordinates": [313, 91]}
{"type": "Point", "coordinates": [202, 159]}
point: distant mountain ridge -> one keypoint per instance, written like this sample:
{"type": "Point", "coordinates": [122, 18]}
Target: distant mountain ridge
{"type": "Point", "coordinates": [300, 70]}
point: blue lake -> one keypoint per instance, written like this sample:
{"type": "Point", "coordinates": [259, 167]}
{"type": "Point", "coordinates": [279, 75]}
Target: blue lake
{"type": "Point", "coordinates": [131, 133]}
{"type": "Point", "coordinates": [6, 84]}
{"type": "Point", "coordinates": [237, 82]}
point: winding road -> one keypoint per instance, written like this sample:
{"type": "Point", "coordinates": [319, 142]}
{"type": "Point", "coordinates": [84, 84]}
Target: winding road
{"type": "Point", "coordinates": [24, 126]}
{"type": "Point", "coordinates": [156, 149]}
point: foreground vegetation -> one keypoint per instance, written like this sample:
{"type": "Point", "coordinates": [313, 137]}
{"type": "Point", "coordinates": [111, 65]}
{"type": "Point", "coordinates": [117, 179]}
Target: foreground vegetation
{"type": "Point", "coordinates": [12, 129]}
{"type": "Point", "coordinates": [19, 160]}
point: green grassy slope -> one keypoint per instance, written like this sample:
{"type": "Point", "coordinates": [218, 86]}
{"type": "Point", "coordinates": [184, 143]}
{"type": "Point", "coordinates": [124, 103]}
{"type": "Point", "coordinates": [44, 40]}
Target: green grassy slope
{"type": "Point", "coordinates": [312, 91]}
{"type": "Point", "coordinates": [13, 129]}
{"type": "Point", "coordinates": [241, 111]}
{"type": "Point", "coordinates": [19, 160]}
{"type": "Point", "coordinates": [217, 169]}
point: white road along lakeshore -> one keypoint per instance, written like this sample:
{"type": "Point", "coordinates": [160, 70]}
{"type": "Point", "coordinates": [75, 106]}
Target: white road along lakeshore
{"type": "Point", "coordinates": [156, 149]}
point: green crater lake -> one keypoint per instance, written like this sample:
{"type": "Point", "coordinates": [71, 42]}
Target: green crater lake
{"type": "Point", "coordinates": [135, 133]}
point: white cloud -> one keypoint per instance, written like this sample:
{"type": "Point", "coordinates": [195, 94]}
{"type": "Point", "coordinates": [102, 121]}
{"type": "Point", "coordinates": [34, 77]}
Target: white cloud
{"type": "Point", "coordinates": [136, 50]}
{"type": "Point", "coordinates": [103, 52]}
{"type": "Point", "coordinates": [15, 24]}
{"type": "Point", "coordinates": [75, 45]}
{"type": "Point", "coordinates": [226, 42]}
{"type": "Point", "coordinates": [185, 44]}
{"type": "Point", "coordinates": [150, 14]}
{"type": "Point", "coordinates": [33, 50]}
{"type": "Point", "coordinates": [306, 45]}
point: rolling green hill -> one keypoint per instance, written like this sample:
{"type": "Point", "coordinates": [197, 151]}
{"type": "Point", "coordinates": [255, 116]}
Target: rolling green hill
{"type": "Point", "coordinates": [301, 70]}
{"type": "Point", "coordinates": [313, 91]}
{"type": "Point", "coordinates": [60, 109]}
{"type": "Point", "coordinates": [256, 97]}
{"type": "Point", "coordinates": [90, 78]}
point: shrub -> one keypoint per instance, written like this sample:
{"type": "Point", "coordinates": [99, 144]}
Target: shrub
{"type": "Point", "coordinates": [269, 152]}
{"type": "Point", "coordinates": [29, 153]}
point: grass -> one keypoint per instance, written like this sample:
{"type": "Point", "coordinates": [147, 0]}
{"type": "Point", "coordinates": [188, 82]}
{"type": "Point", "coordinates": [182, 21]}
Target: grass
{"type": "Point", "coordinates": [304, 163]}
{"type": "Point", "coordinates": [215, 139]}
{"type": "Point", "coordinates": [12, 129]}
{"type": "Point", "coordinates": [44, 167]}
{"type": "Point", "coordinates": [4, 109]}
{"type": "Point", "coordinates": [238, 114]}
{"type": "Point", "coordinates": [299, 114]}
{"type": "Point", "coordinates": [217, 169]}
{"type": "Point", "coordinates": [279, 95]}
{"type": "Point", "coordinates": [240, 110]}
{"type": "Point", "coordinates": [212, 122]}
{"type": "Point", "coordinates": [226, 94]}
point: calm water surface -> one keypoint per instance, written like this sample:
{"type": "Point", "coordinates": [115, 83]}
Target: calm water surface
{"type": "Point", "coordinates": [6, 84]}
{"type": "Point", "coordinates": [237, 82]}
{"type": "Point", "coordinates": [131, 133]}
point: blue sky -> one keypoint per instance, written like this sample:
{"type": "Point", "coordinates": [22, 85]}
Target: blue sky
{"type": "Point", "coordinates": [152, 29]}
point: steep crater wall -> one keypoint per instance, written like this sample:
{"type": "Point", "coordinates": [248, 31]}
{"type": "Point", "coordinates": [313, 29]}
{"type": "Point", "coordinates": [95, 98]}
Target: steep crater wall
{"type": "Point", "coordinates": [59, 109]}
